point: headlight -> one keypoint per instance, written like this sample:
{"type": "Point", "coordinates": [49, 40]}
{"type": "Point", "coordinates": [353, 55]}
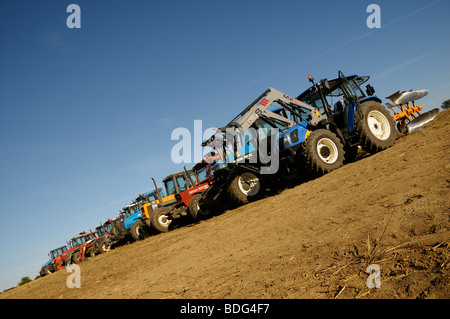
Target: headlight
{"type": "Point", "coordinates": [287, 140]}
{"type": "Point", "coordinates": [294, 136]}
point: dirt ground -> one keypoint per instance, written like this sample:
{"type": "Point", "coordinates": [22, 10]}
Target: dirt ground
{"type": "Point", "coordinates": [316, 240]}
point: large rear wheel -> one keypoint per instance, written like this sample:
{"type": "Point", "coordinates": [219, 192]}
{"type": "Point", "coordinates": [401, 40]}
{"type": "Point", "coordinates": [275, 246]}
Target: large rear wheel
{"type": "Point", "coordinates": [377, 128]}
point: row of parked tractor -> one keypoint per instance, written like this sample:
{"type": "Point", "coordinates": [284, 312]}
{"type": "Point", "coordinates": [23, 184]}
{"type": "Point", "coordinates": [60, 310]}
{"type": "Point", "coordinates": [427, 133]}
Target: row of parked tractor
{"type": "Point", "coordinates": [275, 142]}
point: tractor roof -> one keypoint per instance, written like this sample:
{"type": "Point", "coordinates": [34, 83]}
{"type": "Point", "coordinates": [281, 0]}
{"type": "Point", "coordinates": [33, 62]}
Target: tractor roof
{"type": "Point", "coordinates": [176, 174]}
{"type": "Point", "coordinates": [153, 192]}
{"type": "Point", "coordinates": [84, 234]}
{"type": "Point", "coordinates": [59, 248]}
{"type": "Point", "coordinates": [335, 91]}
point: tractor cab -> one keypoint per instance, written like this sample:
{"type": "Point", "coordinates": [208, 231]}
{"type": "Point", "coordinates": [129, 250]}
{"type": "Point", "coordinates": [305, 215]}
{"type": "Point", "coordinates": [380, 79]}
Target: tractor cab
{"type": "Point", "coordinates": [80, 246]}
{"type": "Point", "coordinates": [132, 212]}
{"type": "Point", "coordinates": [82, 238]}
{"type": "Point", "coordinates": [187, 187]}
{"type": "Point", "coordinates": [55, 253]}
{"type": "Point", "coordinates": [179, 182]}
{"type": "Point", "coordinates": [203, 170]}
{"type": "Point", "coordinates": [187, 183]}
{"type": "Point", "coordinates": [105, 237]}
{"type": "Point", "coordinates": [120, 228]}
{"type": "Point", "coordinates": [343, 87]}
{"type": "Point", "coordinates": [158, 198]}
{"type": "Point", "coordinates": [106, 227]}
{"type": "Point", "coordinates": [339, 98]}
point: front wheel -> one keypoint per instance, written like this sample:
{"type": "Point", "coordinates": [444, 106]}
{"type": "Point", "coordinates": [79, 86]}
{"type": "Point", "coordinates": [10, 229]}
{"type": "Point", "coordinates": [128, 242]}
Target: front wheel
{"type": "Point", "coordinates": [376, 129]}
{"type": "Point", "coordinates": [245, 187]}
{"type": "Point", "coordinates": [159, 219]}
{"type": "Point", "coordinates": [198, 208]}
{"type": "Point", "coordinates": [322, 152]}
{"type": "Point", "coordinates": [45, 271]}
{"type": "Point", "coordinates": [290, 170]}
{"type": "Point", "coordinates": [137, 230]}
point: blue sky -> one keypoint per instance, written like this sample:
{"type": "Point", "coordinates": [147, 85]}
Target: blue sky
{"type": "Point", "coordinates": [87, 114]}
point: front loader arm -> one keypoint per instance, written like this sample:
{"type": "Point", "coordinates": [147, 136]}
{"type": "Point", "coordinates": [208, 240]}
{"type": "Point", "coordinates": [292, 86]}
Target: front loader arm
{"type": "Point", "coordinates": [256, 110]}
{"type": "Point", "coordinates": [259, 109]}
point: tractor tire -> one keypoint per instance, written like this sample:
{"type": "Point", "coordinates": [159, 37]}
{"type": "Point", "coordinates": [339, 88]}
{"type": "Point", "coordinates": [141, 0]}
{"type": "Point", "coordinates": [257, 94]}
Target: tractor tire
{"type": "Point", "coordinates": [377, 128]}
{"type": "Point", "coordinates": [290, 172]}
{"type": "Point", "coordinates": [90, 252]}
{"type": "Point", "coordinates": [245, 187]}
{"type": "Point", "coordinates": [322, 152]}
{"type": "Point", "coordinates": [198, 208]}
{"type": "Point", "coordinates": [137, 231]}
{"type": "Point", "coordinates": [159, 221]}
{"type": "Point", "coordinates": [351, 154]}
{"type": "Point", "coordinates": [104, 247]}
{"type": "Point", "coordinates": [45, 271]}
{"type": "Point", "coordinates": [74, 258]}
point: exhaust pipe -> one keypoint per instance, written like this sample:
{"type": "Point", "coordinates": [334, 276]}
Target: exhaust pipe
{"type": "Point", "coordinates": [421, 120]}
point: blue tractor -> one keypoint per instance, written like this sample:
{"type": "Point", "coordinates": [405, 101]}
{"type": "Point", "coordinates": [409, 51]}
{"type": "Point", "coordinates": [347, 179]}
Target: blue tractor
{"type": "Point", "coordinates": [303, 136]}
{"type": "Point", "coordinates": [55, 261]}
{"type": "Point", "coordinates": [131, 223]}
{"type": "Point", "coordinates": [355, 116]}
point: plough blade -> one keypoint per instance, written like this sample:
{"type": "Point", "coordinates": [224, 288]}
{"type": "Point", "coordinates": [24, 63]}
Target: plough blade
{"type": "Point", "coordinates": [409, 117]}
{"type": "Point", "coordinates": [421, 120]}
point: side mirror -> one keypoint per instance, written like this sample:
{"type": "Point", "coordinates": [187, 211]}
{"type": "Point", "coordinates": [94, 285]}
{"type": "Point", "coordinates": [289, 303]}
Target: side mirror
{"type": "Point", "coordinates": [370, 90]}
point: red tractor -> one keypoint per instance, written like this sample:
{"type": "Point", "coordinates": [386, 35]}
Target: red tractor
{"type": "Point", "coordinates": [187, 186]}
{"type": "Point", "coordinates": [80, 247]}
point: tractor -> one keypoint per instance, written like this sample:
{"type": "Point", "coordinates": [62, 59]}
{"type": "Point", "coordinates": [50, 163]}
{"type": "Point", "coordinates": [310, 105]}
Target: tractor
{"type": "Point", "coordinates": [303, 135]}
{"type": "Point", "coordinates": [104, 242]}
{"type": "Point", "coordinates": [55, 263]}
{"type": "Point", "coordinates": [131, 222]}
{"type": "Point", "coordinates": [357, 118]}
{"type": "Point", "coordinates": [81, 246]}
{"type": "Point", "coordinates": [140, 229]}
{"type": "Point", "coordinates": [187, 187]}
{"type": "Point", "coordinates": [121, 230]}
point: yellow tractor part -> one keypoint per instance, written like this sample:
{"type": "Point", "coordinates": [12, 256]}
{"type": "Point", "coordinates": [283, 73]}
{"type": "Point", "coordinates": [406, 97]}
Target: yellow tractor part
{"type": "Point", "coordinates": [409, 117]}
{"type": "Point", "coordinates": [407, 112]}
{"type": "Point", "coordinates": [147, 208]}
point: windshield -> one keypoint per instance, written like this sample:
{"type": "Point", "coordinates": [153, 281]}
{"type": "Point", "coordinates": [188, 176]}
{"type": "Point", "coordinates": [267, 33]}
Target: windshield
{"type": "Point", "coordinates": [182, 183]}
{"type": "Point", "coordinates": [149, 197]}
{"type": "Point", "coordinates": [170, 187]}
{"type": "Point", "coordinates": [130, 210]}
{"type": "Point", "coordinates": [152, 197]}
{"type": "Point", "coordinates": [100, 231]}
{"type": "Point", "coordinates": [107, 227]}
{"type": "Point", "coordinates": [336, 92]}
{"type": "Point", "coordinates": [57, 252]}
{"type": "Point", "coordinates": [203, 173]}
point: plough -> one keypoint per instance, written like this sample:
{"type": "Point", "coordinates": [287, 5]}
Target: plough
{"type": "Point", "coordinates": [410, 119]}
